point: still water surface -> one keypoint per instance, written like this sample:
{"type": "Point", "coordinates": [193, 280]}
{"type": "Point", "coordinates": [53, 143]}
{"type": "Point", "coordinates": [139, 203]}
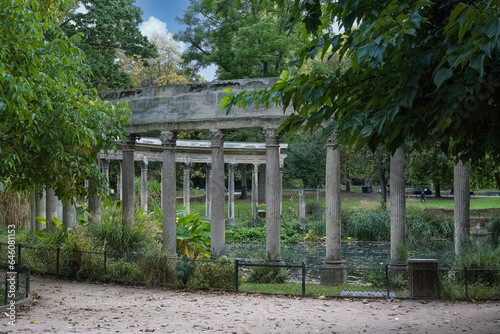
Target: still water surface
{"type": "Point", "coordinates": [367, 254]}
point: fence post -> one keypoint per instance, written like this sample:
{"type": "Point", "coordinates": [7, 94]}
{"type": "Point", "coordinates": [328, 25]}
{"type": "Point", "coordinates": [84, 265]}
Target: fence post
{"type": "Point", "coordinates": [303, 279]}
{"type": "Point", "coordinates": [466, 272]}
{"type": "Point", "coordinates": [236, 269]}
{"type": "Point", "coordinates": [57, 261]}
{"type": "Point", "coordinates": [387, 280]}
{"type": "Point", "coordinates": [27, 273]}
{"type": "Point", "coordinates": [105, 262]}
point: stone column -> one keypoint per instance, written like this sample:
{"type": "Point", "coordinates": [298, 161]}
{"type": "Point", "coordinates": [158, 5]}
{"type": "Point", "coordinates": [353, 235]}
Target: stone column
{"type": "Point", "coordinates": [33, 220]}
{"type": "Point", "coordinates": [94, 204]}
{"type": "Point", "coordinates": [281, 189]}
{"type": "Point", "coordinates": [255, 192]}
{"type": "Point", "coordinates": [230, 197]}
{"type": "Point", "coordinates": [128, 185]}
{"type": "Point", "coordinates": [217, 196]}
{"type": "Point", "coordinates": [302, 207]}
{"type": "Point", "coordinates": [69, 215]}
{"type": "Point", "coordinates": [461, 206]}
{"type": "Point", "coordinates": [262, 184]}
{"type": "Point", "coordinates": [186, 186]}
{"type": "Point", "coordinates": [40, 207]}
{"type": "Point", "coordinates": [273, 219]}
{"type": "Point", "coordinates": [398, 208]}
{"type": "Point", "coordinates": [334, 271]}
{"type": "Point", "coordinates": [51, 209]}
{"type": "Point", "coordinates": [208, 170]}
{"type": "Point", "coordinates": [168, 192]}
{"type": "Point", "coordinates": [105, 171]}
{"type": "Point", "coordinates": [144, 184]}
{"type": "Point", "coordinates": [119, 194]}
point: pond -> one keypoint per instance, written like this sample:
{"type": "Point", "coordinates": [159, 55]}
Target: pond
{"type": "Point", "coordinates": [366, 254]}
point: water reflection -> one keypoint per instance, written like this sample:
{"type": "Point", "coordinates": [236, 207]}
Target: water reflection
{"type": "Point", "coordinates": [357, 254]}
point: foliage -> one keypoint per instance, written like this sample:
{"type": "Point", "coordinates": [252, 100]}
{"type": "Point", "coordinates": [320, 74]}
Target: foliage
{"type": "Point", "coordinates": [184, 270]}
{"type": "Point", "coordinates": [479, 255]}
{"type": "Point", "coordinates": [52, 126]}
{"type": "Point", "coordinates": [367, 225]}
{"type": "Point", "coordinates": [420, 71]}
{"type": "Point", "coordinates": [247, 44]}
{"type": "Point", "coordinates": [162, 70]}
{"type": "Point", "coordinates": [494, 229]}
{"type": "Point", "coordinates": [379, 279]}
{"type": "Point", "coordinates": [114, 237]}
{"type": "Point", "coordinates": [107, 29]}
{"type": "Point", "coordinates": [214, 274]}
{"type": "Point", "coordinates": [14, 208]}
{"type": "Point", "coordinates": [193, 236]}
{"type": "Point", "coordinates": [123, 270]}
{"type": "Point", "coordinates": [267, 275]}
{"type": "Point", "coordinates": [51, 239]}
{"type": "Point", "coordinates": [431, 166]}
{"type": "Point", "coordinates": [157, 270]}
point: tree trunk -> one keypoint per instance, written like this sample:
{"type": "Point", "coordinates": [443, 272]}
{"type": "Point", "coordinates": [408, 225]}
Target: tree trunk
{"type": "Point", "coordinates": [347, 185]}
{"type": "Point", "coordinates": [497, 179]}
{"type": "Point", "coordinates": [461, 206]}
{"type": "Point", "coordinates": [243, 182]}
{"type": "Point", "coordinates": [438, 190]}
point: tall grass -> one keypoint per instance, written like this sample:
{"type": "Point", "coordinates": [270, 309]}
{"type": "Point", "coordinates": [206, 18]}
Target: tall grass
{"type": "Point", "coordinates": [14, 208]}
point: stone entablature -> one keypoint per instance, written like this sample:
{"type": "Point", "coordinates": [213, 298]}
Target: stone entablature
{"type": "Point", "coordinates": [195, 106]}
{"type": "Point", "coordinates": [199, 151]}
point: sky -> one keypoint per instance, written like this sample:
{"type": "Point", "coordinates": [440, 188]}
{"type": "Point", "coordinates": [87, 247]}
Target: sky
{"type": "Point", "coordinates": [159, 17]}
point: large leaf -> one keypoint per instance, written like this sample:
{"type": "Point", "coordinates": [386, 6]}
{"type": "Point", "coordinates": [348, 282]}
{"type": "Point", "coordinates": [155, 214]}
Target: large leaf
{"type": "Point", "coordinates": [442, 75]}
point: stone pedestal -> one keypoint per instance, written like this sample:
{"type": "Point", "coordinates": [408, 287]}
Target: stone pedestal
{"type": "Point", "coordinates": [217, 196]}
{"type": "Point", "coordinates": [230, 198]}
{"type": "Point", "coordinates": [334, 273]}
{"type": "Point", "coordinates": [144, 185]}
{"type": "Point", "coordinates": [208, 171]}
{"type": "Point", "coordinates": [186, 186]}
{"type": "Point", "coordinates": [273, 191]}
{"type": "Point", "coordinates": [168, 192]}
{"type": "Point", "coordinates": [128, 183]}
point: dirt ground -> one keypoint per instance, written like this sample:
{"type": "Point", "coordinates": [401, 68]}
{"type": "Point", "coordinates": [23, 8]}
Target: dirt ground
{"type": "Point", "coordinates": [79, 307]}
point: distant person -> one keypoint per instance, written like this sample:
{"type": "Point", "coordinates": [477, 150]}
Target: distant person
{"type": "Point", "coordinates": [422, 196]}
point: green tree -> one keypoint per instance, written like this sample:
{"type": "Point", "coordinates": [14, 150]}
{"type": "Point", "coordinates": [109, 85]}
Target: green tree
{"type": "Point", "coordinates": [107, 28]}
{"type": "Point", "coordinates": [51, 125]}
{"type": "Point", "coordinates": [431, 165]}
{"type": "Point", "coordinates": [421, 71]}
{"type": "Point", "coordinates": [246, 44]}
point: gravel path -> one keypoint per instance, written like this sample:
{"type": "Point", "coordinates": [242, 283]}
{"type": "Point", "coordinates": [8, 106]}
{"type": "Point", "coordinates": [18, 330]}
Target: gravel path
{"type": "Point", "coordinates": [78, 307]}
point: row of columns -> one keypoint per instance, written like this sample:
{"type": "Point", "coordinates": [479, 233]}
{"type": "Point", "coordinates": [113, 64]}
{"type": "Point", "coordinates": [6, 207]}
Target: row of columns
{"type": "Point", "coordinates": [45, 204]}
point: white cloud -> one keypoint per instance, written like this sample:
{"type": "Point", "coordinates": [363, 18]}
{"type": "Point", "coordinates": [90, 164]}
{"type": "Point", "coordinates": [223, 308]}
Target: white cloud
{"type": "Point", "coordinates": [208, 73]}
{"type": "Point", "coordinates": [154, 27]}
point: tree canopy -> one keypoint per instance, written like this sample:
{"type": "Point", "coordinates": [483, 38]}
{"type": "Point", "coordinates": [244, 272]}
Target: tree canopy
{"type": "Point", "coordinates": [420, 71]}
{"type": "Point", "coordinates": [248, 43]}
{"type": "Point", "coordinates": [107, 28]}
{"type": "Point", "coordinates": [51, 125]}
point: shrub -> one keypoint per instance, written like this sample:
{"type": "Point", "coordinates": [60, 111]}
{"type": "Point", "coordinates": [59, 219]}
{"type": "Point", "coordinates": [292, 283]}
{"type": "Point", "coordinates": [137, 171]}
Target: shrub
{"type": "Point", "coordinates": [494, 229]}
{"type": "Point", "coordinates": [123, 271]}
{"type": "Point", "coordinates": [368, 225]}
{"type": "Point", "coordinates": [267, 275]}
{"type": "Point", "coordinates": [14, 208]}
{"type": "Point", "coordinates": [157, 270]}
{"type": "Point", "coordinates": [214, 274]}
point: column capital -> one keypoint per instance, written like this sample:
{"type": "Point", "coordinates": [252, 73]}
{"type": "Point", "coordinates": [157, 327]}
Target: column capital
{"type": "Point", "coordinates": [270, 136]}
{"type": "Point", "coordinates": [232, 167]}
{"type": "Point", "coordinates": [187, 166]}
{"type": "Point", "coordinates": [331, 141]}
{"type": "Point", "coordinates": [208, 167]}
{"type": "Point", "coordinates": [168, 139]}
{"type": "Point", "coordinates": [255, 168]}
{"type": "Point", "coordinates": [217, 138]}
{"type": "Point", "coordinates": [130, 141]}
{"type": "Point", "coordinates": [144, 164]}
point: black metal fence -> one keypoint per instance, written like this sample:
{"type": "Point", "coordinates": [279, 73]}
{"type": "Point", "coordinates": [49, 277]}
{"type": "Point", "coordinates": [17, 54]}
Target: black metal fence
{"type": "Point", "coordinates": [413, 281]}
{"type": "Point", "coordinates": [15, 285]}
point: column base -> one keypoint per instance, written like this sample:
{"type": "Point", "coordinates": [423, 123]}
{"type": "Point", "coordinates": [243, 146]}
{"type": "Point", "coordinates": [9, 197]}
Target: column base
{"type": "Point", "coordinates": [231, 222]}
{"type": "Point", "coordinates": [333, 273]}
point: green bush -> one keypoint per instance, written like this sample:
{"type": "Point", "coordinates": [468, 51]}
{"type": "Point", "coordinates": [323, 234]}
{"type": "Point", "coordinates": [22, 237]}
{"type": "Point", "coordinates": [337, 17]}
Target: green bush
{"type": "Point", "coordinates": [123, 271]}
{"type": "Point", "coordinates": [378, 279]}
{"type": "Point", "coordinates": [267, 275]}
{"type": "Point", "coordinates": [371, 225]}
{"type": "Point", "coordinates": [494, 229]}
{"type": "Point", "coordinates": [158, 270]}
{"type": "Point", "coordinates": [213, 274]}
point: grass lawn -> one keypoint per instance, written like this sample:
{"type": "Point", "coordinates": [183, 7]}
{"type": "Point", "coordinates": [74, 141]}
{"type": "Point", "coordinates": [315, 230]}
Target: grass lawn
{"type": "Point", "coordinates": [353, 200]}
